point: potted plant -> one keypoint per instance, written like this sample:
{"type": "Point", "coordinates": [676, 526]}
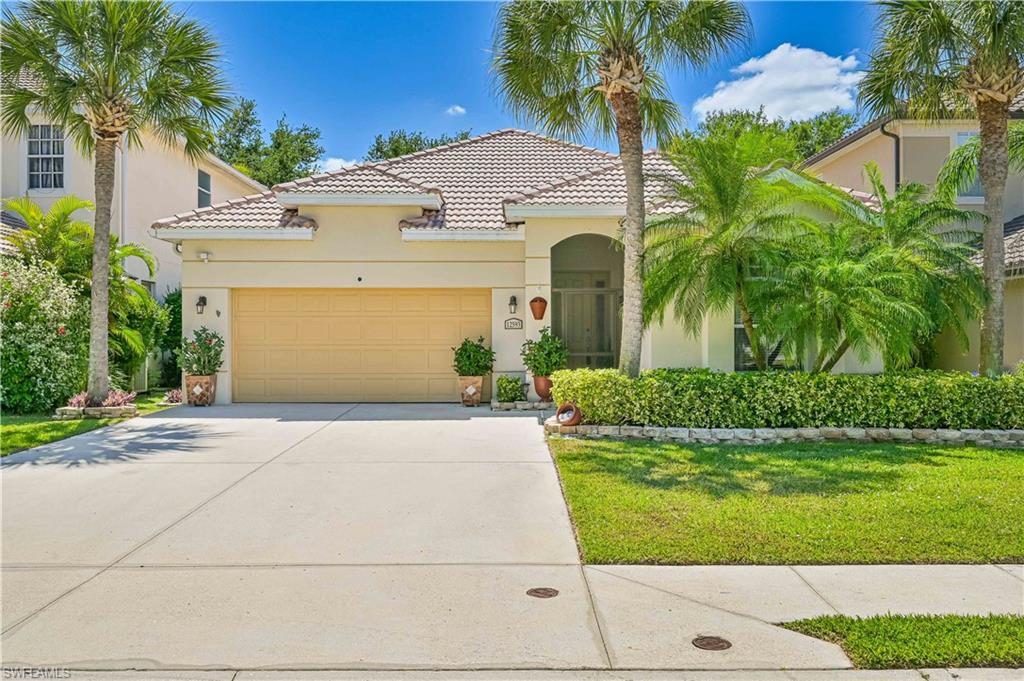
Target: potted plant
{"type": "Point", "coordinates": [200, 357]}
{"type": "Point", "coordinates": [473, 360]}
{"type": "Point", "coordinates": [542, 358]}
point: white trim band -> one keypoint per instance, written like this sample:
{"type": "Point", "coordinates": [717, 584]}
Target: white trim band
{"type": "Point", "coordinates": [235, 233]}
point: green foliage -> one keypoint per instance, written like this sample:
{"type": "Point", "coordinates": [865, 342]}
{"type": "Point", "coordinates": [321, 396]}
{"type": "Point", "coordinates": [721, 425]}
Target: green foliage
{"type": "Point", "coordinates": [401, 142]}
{"type": "Point", "coordinates": [291, 152]}
{"type": "Point", "coordinates": [473, 358]}
{"type": "Point", "coordinates": [510, 389]}
{"type": "Point", "coordinates": [170, 375]}
{"type": "Point", "coordinates": [55, 236]}
{"type": "Point", "coordinates": [922, 641]}
{"type": "Point", "coordinates": [44, 320]}
{"type": "Point", "coordinates": [140, 326]}
{"type": "Point", "coordinates": [545, 355]}
{"type": "Point", "coordinates": [819, 132]}
{"type": "Point", "coordinates": [699, 398]}
{"type": "Point", "coordinates": [960, 171]}
{"type": "Point", "coordinates": [203, 354]}
{"type": "Point", "coordinates": [777, 140]}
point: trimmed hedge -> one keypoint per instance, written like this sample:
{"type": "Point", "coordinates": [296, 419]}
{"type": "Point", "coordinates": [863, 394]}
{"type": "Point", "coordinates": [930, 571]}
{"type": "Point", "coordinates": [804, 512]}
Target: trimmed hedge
{"type": "Point", "coordinates": [700, 398]}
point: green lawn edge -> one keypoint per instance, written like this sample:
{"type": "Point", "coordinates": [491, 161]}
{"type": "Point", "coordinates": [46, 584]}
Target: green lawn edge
{"type": "Point", "coordinates": [922, 641]}
{"type": "Point", "coordinates": [25, 431]}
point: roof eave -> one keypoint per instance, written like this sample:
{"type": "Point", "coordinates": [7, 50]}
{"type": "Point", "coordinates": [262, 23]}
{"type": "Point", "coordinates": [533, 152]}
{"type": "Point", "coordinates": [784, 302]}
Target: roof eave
{"type": "Point", "coordinates": [178, 234]}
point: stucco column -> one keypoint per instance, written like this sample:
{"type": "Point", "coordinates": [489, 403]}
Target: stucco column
{"type": "Point", "coordinates": [216, 317]}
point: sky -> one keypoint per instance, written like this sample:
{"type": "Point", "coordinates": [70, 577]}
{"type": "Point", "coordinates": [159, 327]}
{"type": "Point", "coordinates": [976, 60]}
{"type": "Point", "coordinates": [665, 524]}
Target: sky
{"type": "Point", "coordinates": [355, 69]}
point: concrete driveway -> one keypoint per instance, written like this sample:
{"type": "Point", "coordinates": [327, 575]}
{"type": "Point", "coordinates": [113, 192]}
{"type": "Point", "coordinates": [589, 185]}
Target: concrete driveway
{"type": "Point", "coordinates": [328, 537]}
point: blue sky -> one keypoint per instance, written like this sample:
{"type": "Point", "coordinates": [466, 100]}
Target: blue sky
{"type": "Point", "coordinates": [358, 69]}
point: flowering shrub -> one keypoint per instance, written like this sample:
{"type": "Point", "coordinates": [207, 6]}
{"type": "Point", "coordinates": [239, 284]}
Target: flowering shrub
{"type": "Point", "coordinates": [118, 398]}
{"type": "Point", "coordinates": [45, 329]}
{"type": "Point", "coordinates": [173, 396]}
{"type": "Point", "coordinates": [203, 354]}
{"type": "Point", "coordinates": [79, 400]}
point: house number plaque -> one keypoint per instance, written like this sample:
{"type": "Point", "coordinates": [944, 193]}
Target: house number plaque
{"type": "Point", "coordinates": [513, 324]}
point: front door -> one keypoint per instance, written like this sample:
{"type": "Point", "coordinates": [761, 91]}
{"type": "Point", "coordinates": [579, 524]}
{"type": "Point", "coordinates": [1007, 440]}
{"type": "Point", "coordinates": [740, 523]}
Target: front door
{"type": "Point", "coordinates": [586, 317]}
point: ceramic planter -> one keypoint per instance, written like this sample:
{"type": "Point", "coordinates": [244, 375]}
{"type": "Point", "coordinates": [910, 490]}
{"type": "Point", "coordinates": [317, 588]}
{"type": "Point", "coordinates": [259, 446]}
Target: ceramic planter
{"type": "Point", "coordinates": [538, 306]}
{"type": "Point", "coordinates": [201, 390]}
{"type": "Point", "coordinates": [470, 389]}
{"type": "Point", "coordinates": [542, 386]}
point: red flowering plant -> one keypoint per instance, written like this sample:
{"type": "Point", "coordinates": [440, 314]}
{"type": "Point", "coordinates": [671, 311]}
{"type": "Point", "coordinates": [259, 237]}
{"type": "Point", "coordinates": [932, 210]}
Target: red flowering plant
{"type": "Point", "coordinates": [201, 355]}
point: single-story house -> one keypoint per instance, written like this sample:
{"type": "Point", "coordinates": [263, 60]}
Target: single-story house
{"type": "Point", "coordinates": [355, 285]}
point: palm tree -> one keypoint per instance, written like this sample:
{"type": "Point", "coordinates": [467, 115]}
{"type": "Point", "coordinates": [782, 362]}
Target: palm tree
{"type": "Point", "coordinates": [920, 242]}
{"type": "Point", "coordinates": [573, 66]}
{"type": "Point", "coordinates": [958, 59]}
{"type": "Point", "coordinates": [54, 236]}
{"type": "Point", "coordinates": [735, 233]}
{"type": "Point", "coordinates": [105, 72]}
{"type": "Point", "coordinates": [960, 171]}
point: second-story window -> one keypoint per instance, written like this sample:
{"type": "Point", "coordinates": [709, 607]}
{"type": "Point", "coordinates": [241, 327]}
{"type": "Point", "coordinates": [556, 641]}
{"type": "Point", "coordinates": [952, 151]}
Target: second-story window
{"type": "Point", "coordinates": [45, 157]}
{"type": "Point", "coordinates": [205, 195]}
{"type": "Point", "coordinates": [974, 191]}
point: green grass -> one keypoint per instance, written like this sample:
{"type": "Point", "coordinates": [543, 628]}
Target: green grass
{"type": "Point", "coordinates": [644, 502]}
{"type": "Point", "coordinates": [31, 430]}
{"type": "Point", "coordinates": [916, 641]}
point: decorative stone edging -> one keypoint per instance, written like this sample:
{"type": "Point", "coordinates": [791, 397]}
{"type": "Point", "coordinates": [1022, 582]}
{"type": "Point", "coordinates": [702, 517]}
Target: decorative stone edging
{"type": "Point", "coordinates": [521, 406]}
{"type": "Point", "coordinates": [70, 413]}
{"type": "Point", "coordinates": [758, 436]}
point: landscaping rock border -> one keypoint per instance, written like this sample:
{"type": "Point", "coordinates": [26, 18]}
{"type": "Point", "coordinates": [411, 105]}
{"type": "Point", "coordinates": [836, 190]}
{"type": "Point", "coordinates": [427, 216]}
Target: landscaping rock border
{"type": "Point", "coordinates": [71, 413]}
{"type": "Point", "coordinates": [521, 406]}
{"type": "Point", "coordinates": [762, 436]}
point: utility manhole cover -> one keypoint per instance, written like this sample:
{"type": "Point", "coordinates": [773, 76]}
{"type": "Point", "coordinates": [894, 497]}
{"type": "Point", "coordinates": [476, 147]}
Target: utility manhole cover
{"type": "Point", "coordinates": [711, 643]}
{"type": "Point", "coordinates": [542, 592]}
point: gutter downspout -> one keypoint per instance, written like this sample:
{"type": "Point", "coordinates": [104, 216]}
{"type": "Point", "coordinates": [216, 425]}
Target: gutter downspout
{"type": "Point", "coordinates": [896, 151]}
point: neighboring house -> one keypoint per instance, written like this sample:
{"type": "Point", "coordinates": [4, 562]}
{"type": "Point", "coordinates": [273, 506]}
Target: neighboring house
{"type": "Point", "coordinates": [914, 151]}
{"type": "Point", "coordinates": [151, 182]}
{"type": "Point", "coordinates": [355, 285]}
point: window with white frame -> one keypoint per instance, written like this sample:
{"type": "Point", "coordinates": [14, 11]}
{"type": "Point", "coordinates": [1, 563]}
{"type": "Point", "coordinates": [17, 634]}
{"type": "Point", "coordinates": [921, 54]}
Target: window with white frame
{"type": "Point", "coordinates": [974, 191]}
{"type": "Point", "coordinates": [205, 194]}
{"type": "Point", "coordinates": [743, 354]}
{"type": "Point", "coordinates": [45, 157]}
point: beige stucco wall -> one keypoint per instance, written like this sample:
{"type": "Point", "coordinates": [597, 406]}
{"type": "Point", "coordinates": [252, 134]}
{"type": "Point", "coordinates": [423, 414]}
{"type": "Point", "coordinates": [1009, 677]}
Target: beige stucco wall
{"type": "Point", "coordinates": [846, 168]}
{"type": "Point", "coordinates": [949, 354]}
{"type": "Point", "coordinates": [157, 182]}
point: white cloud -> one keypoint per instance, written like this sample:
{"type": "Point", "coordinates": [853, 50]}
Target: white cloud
{"type": "Point", "coordinates": [334, 163]}
{"type": "Point", "coordinates": [455, 110]}
{"type": "Point", "coordinates": [790, 82]}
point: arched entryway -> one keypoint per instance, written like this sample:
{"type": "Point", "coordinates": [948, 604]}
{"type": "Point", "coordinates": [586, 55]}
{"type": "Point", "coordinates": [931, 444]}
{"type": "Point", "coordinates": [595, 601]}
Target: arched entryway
{"type": "Point", "coordinates": [586, 299]}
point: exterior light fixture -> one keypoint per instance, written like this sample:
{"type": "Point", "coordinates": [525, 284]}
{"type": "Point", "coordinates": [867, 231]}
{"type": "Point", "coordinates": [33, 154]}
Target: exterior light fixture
{"type": "Point", "coordinates": [200, 304]}
{"type": "Point", "coordinates": [512, 304]}
{"type": "Point", "coordinates": [204, 256]}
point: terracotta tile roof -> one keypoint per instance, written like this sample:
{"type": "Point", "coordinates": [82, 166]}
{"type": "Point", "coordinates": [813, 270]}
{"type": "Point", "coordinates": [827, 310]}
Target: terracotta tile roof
{"type": "Point", "coordinates": [257, 211]}
{"type": "Point", "coordinates": [1013, 243]}
{"type": "Point", "coordinates": [363, 179]}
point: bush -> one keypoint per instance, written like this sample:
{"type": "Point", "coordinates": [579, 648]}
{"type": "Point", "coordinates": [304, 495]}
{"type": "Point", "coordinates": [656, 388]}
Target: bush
{"type": "Point", "coordinates": [473, 358]}
{"type": "Point", "coordinates": [546, 355]}
{"type": "Point", "coordinates": [173, 396]}
{"type": "Point", "coordinates": [203, 355]}
{"type": "Point", "coordinates": [510, 389]}
{"type": "Point", "coordinates": [700, 398]}
{"type": "Point", "coordinates": [45, 353]}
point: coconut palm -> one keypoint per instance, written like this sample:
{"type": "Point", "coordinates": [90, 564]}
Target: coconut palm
{"type": "Point", "coordinates": [106, 72]}
{"type": "Point", "coordinates": [958, 59]}
{"type": "Point", "coordinates": [715, 254]}
{"type": "Point", "coordinates": [575, 66]}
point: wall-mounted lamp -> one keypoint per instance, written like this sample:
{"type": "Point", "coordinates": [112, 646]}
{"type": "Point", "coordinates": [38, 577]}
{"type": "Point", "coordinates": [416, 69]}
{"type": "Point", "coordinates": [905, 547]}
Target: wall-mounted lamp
{"type": "Point", "coordinates": [200, 304]}
{"type": "Point", "coordinates": [512, 304]}
{"type": "Point", "coordinates": [204, 256]}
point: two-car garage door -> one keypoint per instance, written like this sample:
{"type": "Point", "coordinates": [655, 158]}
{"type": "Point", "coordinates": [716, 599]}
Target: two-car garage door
{"type": "Point", "coordinates": [352, 345]}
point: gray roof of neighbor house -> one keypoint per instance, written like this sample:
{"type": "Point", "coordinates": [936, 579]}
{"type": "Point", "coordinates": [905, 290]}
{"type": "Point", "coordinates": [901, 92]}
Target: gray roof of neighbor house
{"type": "Point", "coordinates": [472, 177]}
{"type": "Point", "coordinates": [10, 223]}
{"type": "Point", "coordinates": [1013, 243]}
{"type": "Point", "coordinates": [1016, 111]}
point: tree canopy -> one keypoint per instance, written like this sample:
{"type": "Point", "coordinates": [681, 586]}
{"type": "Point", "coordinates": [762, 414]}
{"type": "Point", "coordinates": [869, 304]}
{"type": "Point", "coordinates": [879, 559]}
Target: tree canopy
{"type": "Point", "coordinates": [401, 142]}
{"type": "Point", "coordinates": [290, 152]}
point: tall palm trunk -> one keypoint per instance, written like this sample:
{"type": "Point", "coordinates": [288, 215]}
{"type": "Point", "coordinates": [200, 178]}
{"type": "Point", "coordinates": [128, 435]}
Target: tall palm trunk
{"type": "Point", "coordinates": [629, 128]}
{"type": "Point", "coordinates": [99, 382]}
{"type": "Point", "coordinates": [992, 168]}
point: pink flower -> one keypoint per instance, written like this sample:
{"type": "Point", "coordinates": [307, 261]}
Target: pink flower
{"type": "Point", "coordinates": [209, 341]}
{"type": "Point", "coordinates": [61, 330]}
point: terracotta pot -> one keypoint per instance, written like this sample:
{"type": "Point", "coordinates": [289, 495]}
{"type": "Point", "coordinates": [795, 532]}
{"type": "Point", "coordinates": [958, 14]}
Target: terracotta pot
{"type": "Point", "coordinates": [542, 386]}
{"type": "Point", "coordinates": [568, 414]}
{"type": "Point", "coordinates": [201, 390]}
{"type": "Point", "coordinates": [471, 388]}
{"type": "Point", "coordinates": [538, 306]}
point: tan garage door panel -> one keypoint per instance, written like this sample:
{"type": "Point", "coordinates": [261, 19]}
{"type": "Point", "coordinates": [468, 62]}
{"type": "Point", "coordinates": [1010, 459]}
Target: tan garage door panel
{"type": "Point", "coordinates": [344, 345]}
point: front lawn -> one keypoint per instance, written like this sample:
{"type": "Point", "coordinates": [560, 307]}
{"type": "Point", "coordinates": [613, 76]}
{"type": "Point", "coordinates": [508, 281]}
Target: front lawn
{"type": "Point", "coordinates": [31, 430]}
{"type": "Point", "coordinates": [808, 503]}
{"type": "Point", "coordinates": [916, 641]}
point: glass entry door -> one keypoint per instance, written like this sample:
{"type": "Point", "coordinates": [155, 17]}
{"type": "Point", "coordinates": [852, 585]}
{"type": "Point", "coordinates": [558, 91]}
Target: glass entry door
{"type": "Point", "coordinates": [587, 319]}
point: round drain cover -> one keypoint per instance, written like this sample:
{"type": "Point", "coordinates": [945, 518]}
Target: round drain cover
{"type": "Point", "coordinates": [711, 643]}
{"type": "Point", "coordinates": [542, 592]}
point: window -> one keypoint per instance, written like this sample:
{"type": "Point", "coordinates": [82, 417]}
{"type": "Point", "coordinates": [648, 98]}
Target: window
{"type": "Point", "coordinates": [45, 157]}
{"type": "Point", "coordinates": [974, 191]}
{"type": "Point", "coordinates": [743, 355]}
{"type": "Point", "coordinates": [205, 196]}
